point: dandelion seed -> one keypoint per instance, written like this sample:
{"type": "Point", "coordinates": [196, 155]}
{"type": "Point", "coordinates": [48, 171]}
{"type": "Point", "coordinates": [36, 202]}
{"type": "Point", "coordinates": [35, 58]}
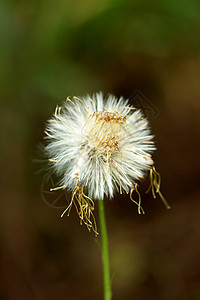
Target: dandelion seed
{"type": "Point", "coordinates": [99, 147]}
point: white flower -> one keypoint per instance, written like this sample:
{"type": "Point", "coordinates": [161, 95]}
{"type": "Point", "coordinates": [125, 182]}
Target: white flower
{"type": "Point", "coordinates": [98, 145]}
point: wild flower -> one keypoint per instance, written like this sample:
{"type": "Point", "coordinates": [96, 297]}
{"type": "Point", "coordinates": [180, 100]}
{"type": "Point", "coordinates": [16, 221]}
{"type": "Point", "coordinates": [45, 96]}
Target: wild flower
{"type": "Point", "coordinates": [98, 147]}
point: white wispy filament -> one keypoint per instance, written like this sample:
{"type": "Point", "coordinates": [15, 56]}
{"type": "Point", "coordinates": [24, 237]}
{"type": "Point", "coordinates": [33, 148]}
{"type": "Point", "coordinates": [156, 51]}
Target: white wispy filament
{"type": "Point", "coordinates": [99, 146]}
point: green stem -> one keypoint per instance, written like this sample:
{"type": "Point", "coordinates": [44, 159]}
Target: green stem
{"type": "Point", "coordinates": [104, 252]}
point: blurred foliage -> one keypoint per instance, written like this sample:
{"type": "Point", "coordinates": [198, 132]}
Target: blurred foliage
{"type": "Point", "coordinates": [55, 49]}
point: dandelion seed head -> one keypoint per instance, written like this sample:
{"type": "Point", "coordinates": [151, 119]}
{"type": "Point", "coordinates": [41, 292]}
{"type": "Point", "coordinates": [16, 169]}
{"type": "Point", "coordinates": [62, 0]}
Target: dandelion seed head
{"type": "Point", "coordinates": [104, 145]}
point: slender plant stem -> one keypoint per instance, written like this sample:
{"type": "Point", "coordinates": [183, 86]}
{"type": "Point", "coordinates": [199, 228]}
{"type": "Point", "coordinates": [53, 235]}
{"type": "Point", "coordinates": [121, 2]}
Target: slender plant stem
{"type": "Point", "coordinates": [104, 252]}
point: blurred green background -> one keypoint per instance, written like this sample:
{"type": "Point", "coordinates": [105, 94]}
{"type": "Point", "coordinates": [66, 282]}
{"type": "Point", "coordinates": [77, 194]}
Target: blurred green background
{"type": "Point", "coordinates": [52, 49]}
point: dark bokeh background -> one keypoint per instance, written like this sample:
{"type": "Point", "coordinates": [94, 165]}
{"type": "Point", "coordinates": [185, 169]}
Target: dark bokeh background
{"type": "Point", "coordinates": [146, 50]}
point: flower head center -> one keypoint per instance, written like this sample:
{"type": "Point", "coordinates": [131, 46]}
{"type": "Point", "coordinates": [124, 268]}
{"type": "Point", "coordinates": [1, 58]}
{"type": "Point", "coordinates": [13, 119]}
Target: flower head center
{"type": "Point", "coordinates": [109, 117]}
{"type": "Point", "coordinates": [105, 130]}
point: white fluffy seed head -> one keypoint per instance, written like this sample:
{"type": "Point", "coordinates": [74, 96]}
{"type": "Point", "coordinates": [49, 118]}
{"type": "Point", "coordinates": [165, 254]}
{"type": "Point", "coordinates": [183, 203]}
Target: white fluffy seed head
{"type": "Point", "coordinates": [104, 145]}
